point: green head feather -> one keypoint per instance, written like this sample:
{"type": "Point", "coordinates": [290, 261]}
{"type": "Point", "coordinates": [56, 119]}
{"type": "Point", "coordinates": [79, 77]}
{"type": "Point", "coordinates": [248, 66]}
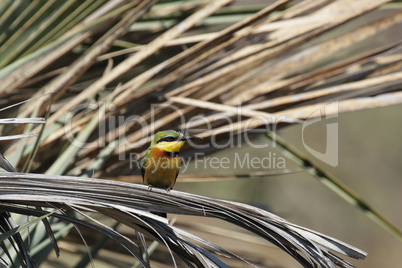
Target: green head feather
{"type": "Point", "coordinates": [166, 134]}
{"type": "Point", "coordinates": [160, 136]}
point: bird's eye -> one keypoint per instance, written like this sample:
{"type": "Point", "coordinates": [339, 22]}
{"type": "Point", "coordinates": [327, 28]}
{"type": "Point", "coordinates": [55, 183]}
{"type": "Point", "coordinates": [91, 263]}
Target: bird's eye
{"type": "Point", "coordinates": [167, 138]}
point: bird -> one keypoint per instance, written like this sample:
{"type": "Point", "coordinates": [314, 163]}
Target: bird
{"type": "Point", "coordinates": [161, 164]}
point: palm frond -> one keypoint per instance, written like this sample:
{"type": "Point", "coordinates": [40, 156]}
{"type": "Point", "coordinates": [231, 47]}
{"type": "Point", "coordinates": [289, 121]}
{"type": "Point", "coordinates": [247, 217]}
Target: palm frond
{"type": "Point", "coordinates": [10, 231]}
{"type": "Point", "coordinates": [127, 203]}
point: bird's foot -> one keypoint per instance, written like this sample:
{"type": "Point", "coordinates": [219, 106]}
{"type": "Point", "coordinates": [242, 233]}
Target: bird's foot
{"type": "Point", "coordinates": [150, 188]}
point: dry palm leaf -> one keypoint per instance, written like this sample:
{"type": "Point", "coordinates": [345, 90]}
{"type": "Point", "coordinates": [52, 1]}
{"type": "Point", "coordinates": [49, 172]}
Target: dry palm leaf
{"type": "Point", "coordinates": [6, 221]}
{"type": "Point", "coordinates": [127, 203]}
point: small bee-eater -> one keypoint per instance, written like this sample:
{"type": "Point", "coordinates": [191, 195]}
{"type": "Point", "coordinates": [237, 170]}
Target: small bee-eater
{"type": "Point", "coordinates": [161, 163]}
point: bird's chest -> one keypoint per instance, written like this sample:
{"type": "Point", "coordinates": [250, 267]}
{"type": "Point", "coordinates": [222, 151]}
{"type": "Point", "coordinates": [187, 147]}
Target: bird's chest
{"type": "Point", "coordinates": [161, 169]}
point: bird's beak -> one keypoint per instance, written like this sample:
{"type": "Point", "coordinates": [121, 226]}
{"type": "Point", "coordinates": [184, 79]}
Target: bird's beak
{"type": "Point", "coordinates": [184, 138]}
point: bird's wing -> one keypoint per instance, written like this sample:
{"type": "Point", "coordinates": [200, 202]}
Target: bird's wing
{"type": "Point", "coordinates": [143, 173]}
{"type": "Point", "coordinates": [175, 179]}
{"type": "Point", "coordinates": [143, 164]}
{"type": "Point", "coordinates": [177, 174]}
